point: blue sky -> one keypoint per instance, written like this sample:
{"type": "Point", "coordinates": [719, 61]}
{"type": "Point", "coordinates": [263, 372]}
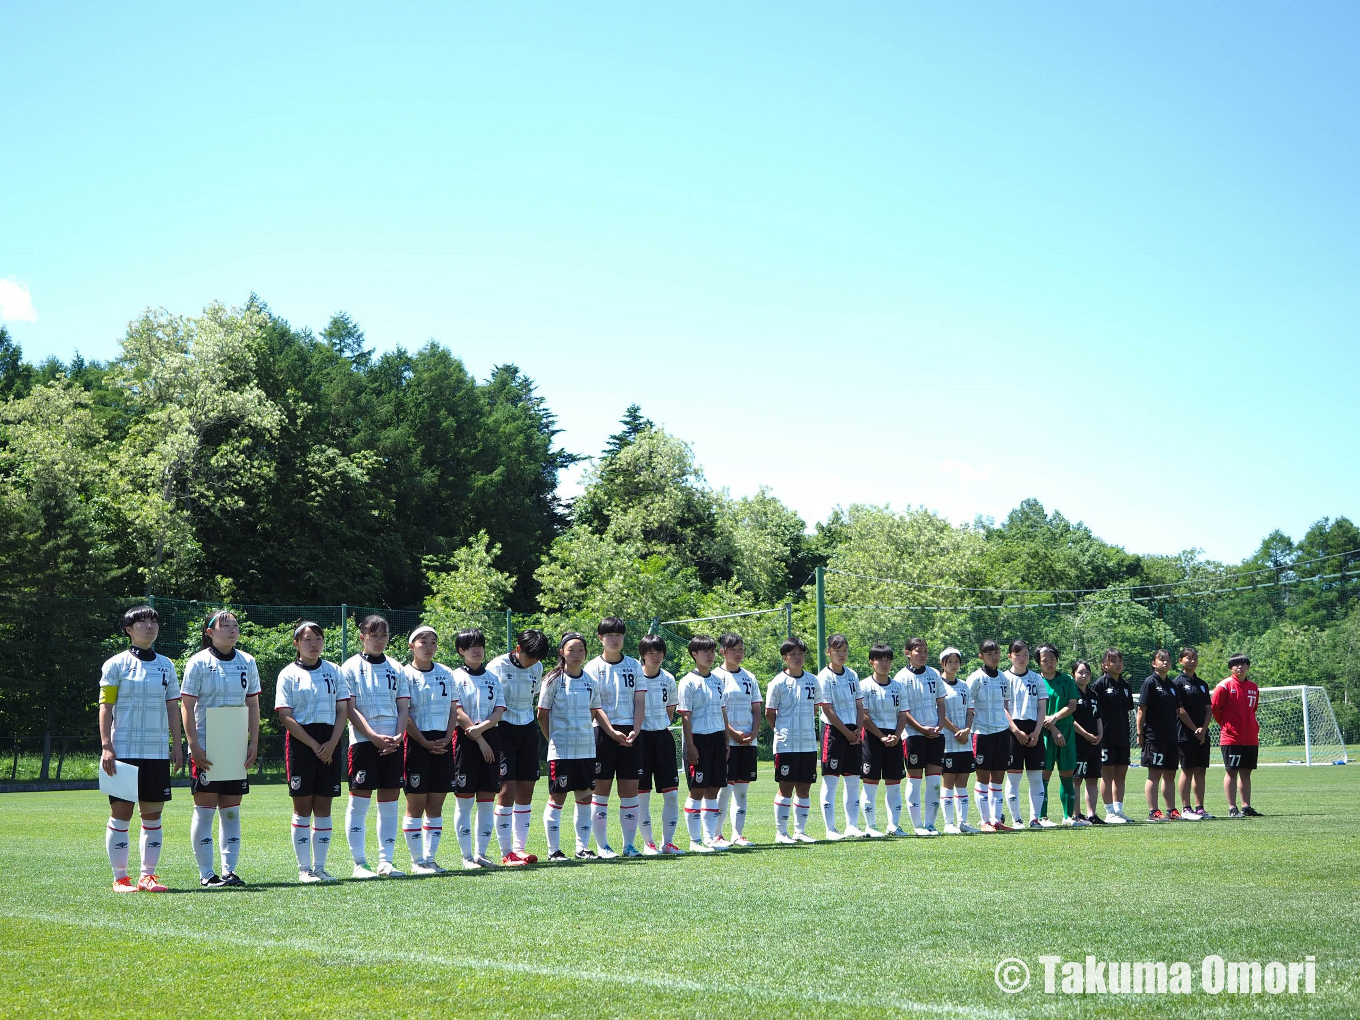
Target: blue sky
{"type": "Point", "coordinates": [858, 253]}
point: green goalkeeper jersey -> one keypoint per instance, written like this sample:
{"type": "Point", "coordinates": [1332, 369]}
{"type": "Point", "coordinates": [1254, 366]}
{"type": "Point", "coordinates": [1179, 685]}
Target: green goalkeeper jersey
{"type": "Point", "coordinates": [1062, 689]}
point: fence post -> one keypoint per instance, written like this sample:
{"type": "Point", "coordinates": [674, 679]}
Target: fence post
{"type": "Point", "coordinates": [788, 619]}
{"type": "Point", "coordinates": [821, 618]}
{"type": "Point", "coordinates": [655, 626]}
{"type": "Point", "coordinates": [344, 632]}
{"type": "Point", "coordinates": [509, 630]}
{"type": "Point", "coordinates": [1307, 744]}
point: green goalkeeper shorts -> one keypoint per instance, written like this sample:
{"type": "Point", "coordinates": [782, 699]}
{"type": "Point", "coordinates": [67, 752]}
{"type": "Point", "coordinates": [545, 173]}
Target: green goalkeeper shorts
{"type": "Point", "coordinates": [1060, 759]}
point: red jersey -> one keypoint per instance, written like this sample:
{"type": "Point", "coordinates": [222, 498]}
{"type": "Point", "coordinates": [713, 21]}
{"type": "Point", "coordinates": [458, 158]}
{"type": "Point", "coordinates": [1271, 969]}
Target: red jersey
{"type": "Point", "coordinates": [1234, 704]}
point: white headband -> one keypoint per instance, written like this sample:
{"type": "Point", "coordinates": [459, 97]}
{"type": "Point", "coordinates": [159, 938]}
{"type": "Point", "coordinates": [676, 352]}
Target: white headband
{"type": "Point", "coordinates": [424, 628]}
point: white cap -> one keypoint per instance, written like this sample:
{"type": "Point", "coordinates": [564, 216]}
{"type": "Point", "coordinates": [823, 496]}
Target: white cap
{"type": "Point", "coordinates": [951, 650]}
{"type": "Point", "coordinates": [423, 628]}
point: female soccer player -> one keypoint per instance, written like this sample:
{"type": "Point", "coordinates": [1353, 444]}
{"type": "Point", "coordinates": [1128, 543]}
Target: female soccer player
{"type": "Point", "coordinates": [428, 752]}
{"type": "Point", "coordinates": [1157, 704]}
{"type": "Point", "coordinates": [957, 764]}
{"type": "Point", "coordinates": [1060, 739]}
{"type": "Point", "coordinates": [1194, 713]}
{"type": "Point", "coordinates": [1090, 730]}
{"type": "Point", "coordinates": [567, 705]}
{"type": "Point", "coordinates": [378, 714]}
{"type": "Point", "coordinates": [219, 676]}
{"type": "Point", "coordinates": [1234, 702]}
{"type": "Point", "coordinates": [1116, 701]}
{"type": "Point", "coordinates": [659, 769]}
{"type": "Point", "coordinates": [477, 756]}
{"type": "Point", "coordinates": [990, 694]}
{"type": "Point", "coordinates": [791, 703]}
{"type": "Point", "coordinates": [1029, 700]}
{"type": "Point", "coordinates": [743, 704]}
{"type": "Point", "coordinates": [521, 674]}
{"type": "Point", "coordinates": [138, 712]}
{"type": "Point", "coordinates": [925, 739]}
{"type": "Point", "coordinates": [881, 760]}
{"type": "Point", "coordinates": [312, 702]}
{"type": "Point", "coordinates": [842, 755]}
{"type": "Point", "coordinates": [618, 746]}
{"type": "Point", "coordinates": [704, 724]}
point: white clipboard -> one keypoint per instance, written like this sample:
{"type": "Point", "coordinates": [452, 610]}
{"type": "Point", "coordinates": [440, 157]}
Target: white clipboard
{"type": "Point", "coordinates": [225, 743]}
{"type": "Point", "coordinates": [122, 784]}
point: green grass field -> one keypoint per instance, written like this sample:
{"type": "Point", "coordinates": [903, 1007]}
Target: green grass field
{"type": "Point", "coordinates": [890, 928]}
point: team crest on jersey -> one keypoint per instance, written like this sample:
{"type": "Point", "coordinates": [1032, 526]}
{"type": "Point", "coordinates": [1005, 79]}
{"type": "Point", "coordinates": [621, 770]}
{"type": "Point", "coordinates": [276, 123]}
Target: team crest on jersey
{"type": "Point", "coordinates": [865, 768]}
{"type": "Point", "coordinates": [915, 759]}
{"type": "Point", "coordinates": [597, 768]}
{"type": "Point", "coordinates": [295, 782]}
{"type": "Point", "coordinates": [505, 768]}
{"type": "Point", "coordinates": [783, 770]}
{"type": "Point", "coordinates": [561, 782]}
{"type": "Point", "coordinates": [833, 762]}
{"type": "Point", "coordinates": [359, 777]}
{"type": "Point", "coordinates": [460, 780]}
{"type": "Point", "coordinates": [415, 778]}
{"type": "Point", "coordinates": [698, 779]}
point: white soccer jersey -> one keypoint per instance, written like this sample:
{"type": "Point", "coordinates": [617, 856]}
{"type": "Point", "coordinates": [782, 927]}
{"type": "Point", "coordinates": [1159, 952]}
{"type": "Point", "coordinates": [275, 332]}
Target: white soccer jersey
{"type": "Point", "coordinates": [479, 694]}
{"type": "Point", "coordinates": [741, 693]}
{"type": "Point", "coordinates": [519, 686]}
{"type": "Point", "coordinates": [376, 688]}
{"type": "Point", "coordinates": [311, 692]}
{"type": "Point", "coordinates": [990, 695]}
{"type": "Point", "coordinates": [569, 699]}
{"type": "Point", "coordinates": [841, 692]}
{"type": "Point", "coordinates": [141, 722]}
{"type": "Point", "coordinates": [957, 702]}
{"type": "Point", "coordinates": [1026, 690]}
{"type": "Point", "coordinates": [660, 696]}
{"type": "Point", "coordinates": [618, 682]}
{"type": "Point", "coordinates": [922, 689]}
{"type": "Point", "coordinates": [883, 702]}
{"type": "Point", "coordinates": [432, 696]}
{"type": "Point", "coordinates": [702, 697]}
{"type": "Point", "coordinates": [794, 700]}
{"type": "Point", "coordinates": [218, 683]}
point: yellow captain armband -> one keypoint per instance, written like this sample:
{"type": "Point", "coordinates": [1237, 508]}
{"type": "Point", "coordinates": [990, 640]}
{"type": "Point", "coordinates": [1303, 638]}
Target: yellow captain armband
{"type": "Point", "coordinates": [108, 695]}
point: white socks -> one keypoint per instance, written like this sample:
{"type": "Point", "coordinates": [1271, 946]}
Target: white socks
{"type": "Point", "coordinates": [485, 825]}
{"type": "Point", "coordinates": [462, 820]}
{"type": "Point", "coordinates": [781, 814]}
{"type": "Point", "coordinates": [947, 801]}
{"type": "Point", "coordinates": [852, 785]}
{"type": "Point", "coordinates": [1013, 796]}
{"type": "Point", "coordinates": [738, 795]}
{"type": "Point", "coordinates": [801, 810]}
{"type": "Point", "coordinates": [994, 801]}
{"type": "Point", "coordinates": [523, 815]}
{"type": "Point", "coordinates": [670, 815]}
{"type": "Point", "coordinates": [1036, 794]}
{"type": "Point", "coordinates": [150, 846]}
{"type": "Point", "coordinates": [829, 787]}
{"type": "Point", "coordinates": [229, 822]}
{"type": "Point", "coordinates": [645, 817]}
{"type": "Point", "coordinates": [599, 825]}
{"type": "Point", "coordinates": [628, 820]}
{"type": "Point", "coordinates": [724, 809]}
{"type": "Point", "coordinates": [868, 796]}
{"type": "Point", "coordinates": [583, 820]}
{"type": "Point", "coordinates": [892, 797]}
{"type": "Point", "coordinates": [914, 801]}
{"type": "Point", "coordinates": [321, 842]}
{"type": "Point", "coordinates": [415, 839]}
{"type": "Point", "coordinates": [387, 830]}
{"type": "Point", "coordinates": [932, 805]}
{"type": "Point", "coordinates": [552, 826]}
{"type": "Point", "coordinates": [984, 800]}
{"type": "Point", "coordinates": [117, 844]}
{"type": "Point", "coordinates": [961, 803]}
{"type": "Point", "coordinates": [356, 824]}
{"type": "Point", "coordinates": [302, 841]}
{"type": "Point", "coordinates": [200, 832]}
{"type": "Point", "coordinates": [694, 819]}
{"type": "Point", "coordinates": [505, 830]}
{"type": "Point", "coordinates": [712, 820]}
{"type": "Point", "coordinates": [430, 835]}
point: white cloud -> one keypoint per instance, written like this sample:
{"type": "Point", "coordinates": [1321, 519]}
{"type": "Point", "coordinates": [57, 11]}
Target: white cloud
{"type": "Point", "coordinates": [16, 304]}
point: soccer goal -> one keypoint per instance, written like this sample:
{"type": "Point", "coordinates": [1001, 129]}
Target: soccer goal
{"type": "Point", "coordinates": [1298, 727]}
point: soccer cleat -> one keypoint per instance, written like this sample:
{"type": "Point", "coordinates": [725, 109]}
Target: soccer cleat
{"type": "Point", "coordinates": [1080, 823]}
{"type": "Point", "coordinates": [1233, 812]}
{"type": "Point", "coordinates": [648, 850]}
{"type": "Point", "coordinates": [873, 834]}
{"type": "Point", "coordinates": [1068, 822]}
{"type": "Point", "coordinates": [1155, 815]}
{"type": "Point", "coordinates": [362, 871]}
{"type": "Point", "coordinates": [1034, 824]}
{"type": "Point", "coordinates": [803, 837]}
{"type": "Point", "coordinates": [126, 884]}
{"type": "Point", "coordinates": [897, 830]}
{"type": "Point", "coordinates": [211, 882]}
{"type": "Point", "coordinates": [323, 875]}
{"type": "Point", "coordinates": [851, 832]}
{"type": "Point", "coordinates": [1003, 827]}
{"type": "Point", "coordinates": [150, 883]}
{"type": "Point", "coordinates": [421, 868]}
{"type": "Point", "coordinates": [434, 867]}
{"type": "Point", "coordinates": [1190, 815]}
{"type": "Point", "coordinates": [720, 844]}
{"type": "Point", "coordinates": [531, 858]}
{"type": "Point", "coordinates": [483, 861]}
{"type": "Point", "coordinates": [1251, 812]}
{"type": "Point", "coordinates": [631, 851]}
{"type": "Point", "coordinates": [1113, 819]}
{"type": "Point", "coordinates": [926, 830]}
{"type": "Point", "coordinates": [671, 850]}
{"type": "Point", "coordinates": [1173, 815]}
{"type": "Point", "coordinates": [784, 837]}
{"type": "Point", "coordinates": [587, 854]}
{"type": "Point", "coordinates": [558, 857]}
{"type": "Point", "coordinates": [987, 827]}
{"type": "Point", "coordinates": [700, 848]}
{"type": "Point", "coordinates": [606, 853]}
{"type": "Point", "coordinates": [1095, 820]}
{"type": "Point", "coordinates": [307, 877]}
{"type": "Point", "coordinates": [741, 841]}
{"type": "Point", "coordinates": [950, 829]}
{"type": "Point", "coordinates": [233, 879]}
{"type": "Point", "coordinates": [968, 830]}
{"type": "Point", "coordinates": [470, 865]}
{"type": "Point", "coordinates": [514, 860]}
{"type": "Point", "coordinates": [1047, 823]}
{"type": "Point", "coordinates": [834, 836]}
{"type": "Point", "coordinates": [1204, 816]}
{"type": "Point", "coordinates": [386, 869]}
